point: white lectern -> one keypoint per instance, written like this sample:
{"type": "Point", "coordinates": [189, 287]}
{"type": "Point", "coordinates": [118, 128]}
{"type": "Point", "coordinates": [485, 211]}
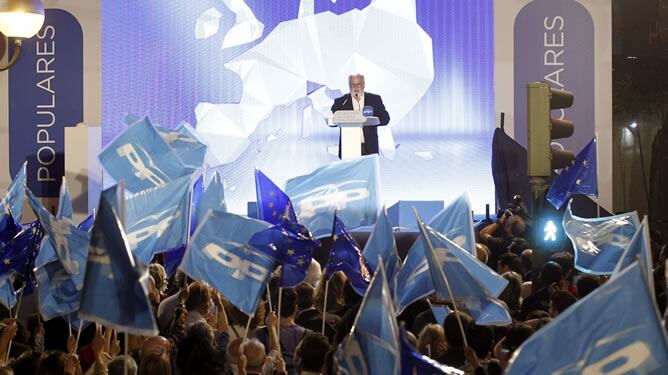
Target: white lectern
{"type": "Point", "coordinates": [351, 124]}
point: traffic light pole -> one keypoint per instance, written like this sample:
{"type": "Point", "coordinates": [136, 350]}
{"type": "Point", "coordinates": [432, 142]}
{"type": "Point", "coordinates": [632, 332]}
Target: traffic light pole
{"type": "Point", "coordinates": [538, 190]}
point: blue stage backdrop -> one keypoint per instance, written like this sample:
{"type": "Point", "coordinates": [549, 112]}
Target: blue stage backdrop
{"type": "Point", "coordinates": [257, 79]}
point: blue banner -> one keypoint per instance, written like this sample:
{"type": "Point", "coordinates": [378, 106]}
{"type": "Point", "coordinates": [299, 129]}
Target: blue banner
{"type": "Point", "coordinates": [142, 159]}
{"type": "Point", "coordinates": [113, 294]}
{"type": "Point", "coordinates": [349, 188]}
{"type": "Point", "coordinates": [45, 96]}
{"type": "Point", "coordinates": [156, 220]}
{"type": "Point", "coordinates": [372, 346]}
{"type": "Point", "coordinates": [237, 270]}
{"type": "Point", "coordinates": [599, 242]}
{"type": "Point", "coordinates": [613, 330]}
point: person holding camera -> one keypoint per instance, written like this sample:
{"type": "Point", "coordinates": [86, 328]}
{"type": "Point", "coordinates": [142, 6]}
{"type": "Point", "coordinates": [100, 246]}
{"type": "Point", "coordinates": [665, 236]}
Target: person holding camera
{"type": "Point", "coordinates": [499, 235]}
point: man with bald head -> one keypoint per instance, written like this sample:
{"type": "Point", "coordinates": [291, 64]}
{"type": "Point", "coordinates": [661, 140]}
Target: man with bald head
{"type": "Point", "coordinates": [357, 100]}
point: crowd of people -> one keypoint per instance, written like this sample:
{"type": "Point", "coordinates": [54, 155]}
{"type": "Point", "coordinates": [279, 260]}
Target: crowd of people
{"type": "Point", "coordinates": [202, 333]}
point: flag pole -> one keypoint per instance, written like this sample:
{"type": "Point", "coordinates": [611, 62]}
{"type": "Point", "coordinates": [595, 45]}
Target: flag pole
{"type": "Point", "coordinates": [81, 324]}
{"type": "Point", "coordinates": [16, 316]}
{"type": "Point", "coordinates": [269, 299]}
{"type": "Point", "coordinates": [440, 269]}
{"type": "Point", "coordinates": [69, 325]}
{"type": "Point", "coordinates": [280, 295]}
{"type": "Point", "coordinates": [125, 352]}
{"type": "Point", "coordinates": [324, 307]}
{"type": "Point", "coordinates": [250, 318]}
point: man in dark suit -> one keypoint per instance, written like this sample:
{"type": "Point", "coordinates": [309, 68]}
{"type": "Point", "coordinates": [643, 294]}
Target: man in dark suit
{"type": "Point", "coordinates": [357, 99]}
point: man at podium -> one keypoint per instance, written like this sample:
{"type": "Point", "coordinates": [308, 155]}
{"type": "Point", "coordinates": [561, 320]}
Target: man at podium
{"type": "Point", "coordinates": [370, 104]}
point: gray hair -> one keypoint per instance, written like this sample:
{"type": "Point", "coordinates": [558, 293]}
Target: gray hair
{"type": "Point", "coordinates": [117, 365]}
{"type": "Point", "coordinates": [358, 75]}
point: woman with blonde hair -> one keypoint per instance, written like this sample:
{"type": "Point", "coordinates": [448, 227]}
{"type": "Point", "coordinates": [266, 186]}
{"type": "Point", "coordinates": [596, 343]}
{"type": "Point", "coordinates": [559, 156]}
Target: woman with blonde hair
{"type": "Point", "coordinates": [431, 341]}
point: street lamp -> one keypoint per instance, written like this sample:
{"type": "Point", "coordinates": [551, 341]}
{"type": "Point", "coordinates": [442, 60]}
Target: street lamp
{"type": "Point", "coordinates": [19, 19]}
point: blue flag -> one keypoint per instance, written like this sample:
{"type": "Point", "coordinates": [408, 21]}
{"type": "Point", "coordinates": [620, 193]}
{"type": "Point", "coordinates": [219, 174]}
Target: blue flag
{"type": "Point", "coordinates": [469, 280]}
{"type": "Point", "coordinates": [69, 243]}
{"type": "Point", "coordinates": [9, 228]}
{"type": "Point", "coordinates": [440, 313]}
{"type": "Point", "coordinates": [639, 247]}
{"type": "Point", "coordinates": [213, 197]}
{"type": "Point", "coordinates": [58, 295]}
{"type": "Point", "coordinates": [413, 362]}
{"type": "Point", "coordinates": [19, 254]}
{"type": "Point", "coordinates": [65, 210]}
{"type": "Point", "coordinates": [291, 246]}
{"type": "Point", "coordinates": [197, 194]}
{"type": "Point", "coordinates": [381, 244]}
{"type": "Point", "coordinates": [185, 141]}
{"type": "Point", "coordinates": [87, 223]}
{"type": "Point", "coordinates": [156, 220]}
{"type": "Point", "coordinates": [12, 201]}
{"type": "Point", "coordinates": [349, 188]}
{"type": "Point", "coordinates": [273, 205]}
{"type": "Point", "coordinates": [599, 242]}
{"type": "Point", "coordinates": [142, 158]}
{"type": "Point", "coordinates": [413, 281]}
{"type": "Point", "coordinates": [7, 293]}
{"type": "Point", "coordinates": [219, 255]}
{"type": "Point", "coordinates": [456, 223]}
{"type": "Point", "coordinates": [615, 329]}
{"type": "Point", "coordinates": [345, 256]}
{"type": "Point", "coordinates": [187, 144]}
{"type": "Point", "coordinates": [113, 294]}
{"type": "Point", "coordinates": [173, 260]}
{"type": "Point", "coordinates": [372, 347]}
{"type": "Point", "coordinates": [579, 178]}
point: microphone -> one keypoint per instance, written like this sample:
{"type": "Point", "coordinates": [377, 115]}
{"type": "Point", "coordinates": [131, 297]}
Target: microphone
{"type": "Point", "coordinates": [344, 102]}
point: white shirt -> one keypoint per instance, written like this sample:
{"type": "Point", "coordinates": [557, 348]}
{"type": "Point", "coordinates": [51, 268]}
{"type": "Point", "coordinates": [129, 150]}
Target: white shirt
{"type": "Point", "coordinates": [359, 106]}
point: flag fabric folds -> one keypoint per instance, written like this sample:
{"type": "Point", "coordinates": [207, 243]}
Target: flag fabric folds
{"type": "Point", "coordinates": [57, 293]}
{"type": "Point", "coordinates": [470, 281]}
{"type": "Point", "coordinates": [156, 220]}
{"type": "Point", "coordinates": [345, 256]}
{"type": "Point", "coordinates": [599, 242]}
{"type": "Point", "coordinates": [290, 246]}
{"type": "Point", "coordinates": [12, 201]}
{"type": "Point", "coordinates": [639, 247]}
{"type": "Point", "coordinates": [351, 188]}
{"type": "Point", "coordinates": [7, 293]}
{"type": "Point", "coordinates": [19, 254]}
{"type": "Point", "coordinates": [456, 223]}
{"type": "Point", "coordinates": [113, 294]}
{"type": "Point", "coordinates": [142, 158]}
{"type": "Point", "coordinates": [69, 243]}
{"type": "Point", "coordinates": [218, 254]}
{"type": "Point", "coordinates": [440, 313]}
{"type": "Point", "coordinates": [213, 198]}
{"type": "Point", "coordinates": [273, 205]}
{"type": "Point", "coordinates": [615, 329]}
{"type": "Point", "coordinates": [65, 210]}
{"type": "Point", "coordinates": [372, 347]}
{"type": "Point", "coordinates": [9, 228]}
{"type": "Point", "coordinates": [381, 244]}
{"type": "Point", "coordinates": [184, 139]}
{"type": "Point", "coordinates": [188, 145]}
{"type": "Point", "coordinates": [413, 280]}
{"type": "Point", "coordinates": [579, 178]}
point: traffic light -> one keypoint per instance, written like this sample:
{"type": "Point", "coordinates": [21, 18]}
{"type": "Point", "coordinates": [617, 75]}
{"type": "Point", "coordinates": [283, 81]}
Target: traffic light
{"type": "Point", "coordinates": [542, 129]}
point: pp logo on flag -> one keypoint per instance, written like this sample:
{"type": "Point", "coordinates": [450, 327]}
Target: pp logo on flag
{"type": "Point", "coordinates": [162, 221]}
{"type": "Point", "coordinates": [141, 170]}
{"type": "Point", "coordinates": [331, 195]}
{"type": "Point", "coordinates": [241, 267]}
